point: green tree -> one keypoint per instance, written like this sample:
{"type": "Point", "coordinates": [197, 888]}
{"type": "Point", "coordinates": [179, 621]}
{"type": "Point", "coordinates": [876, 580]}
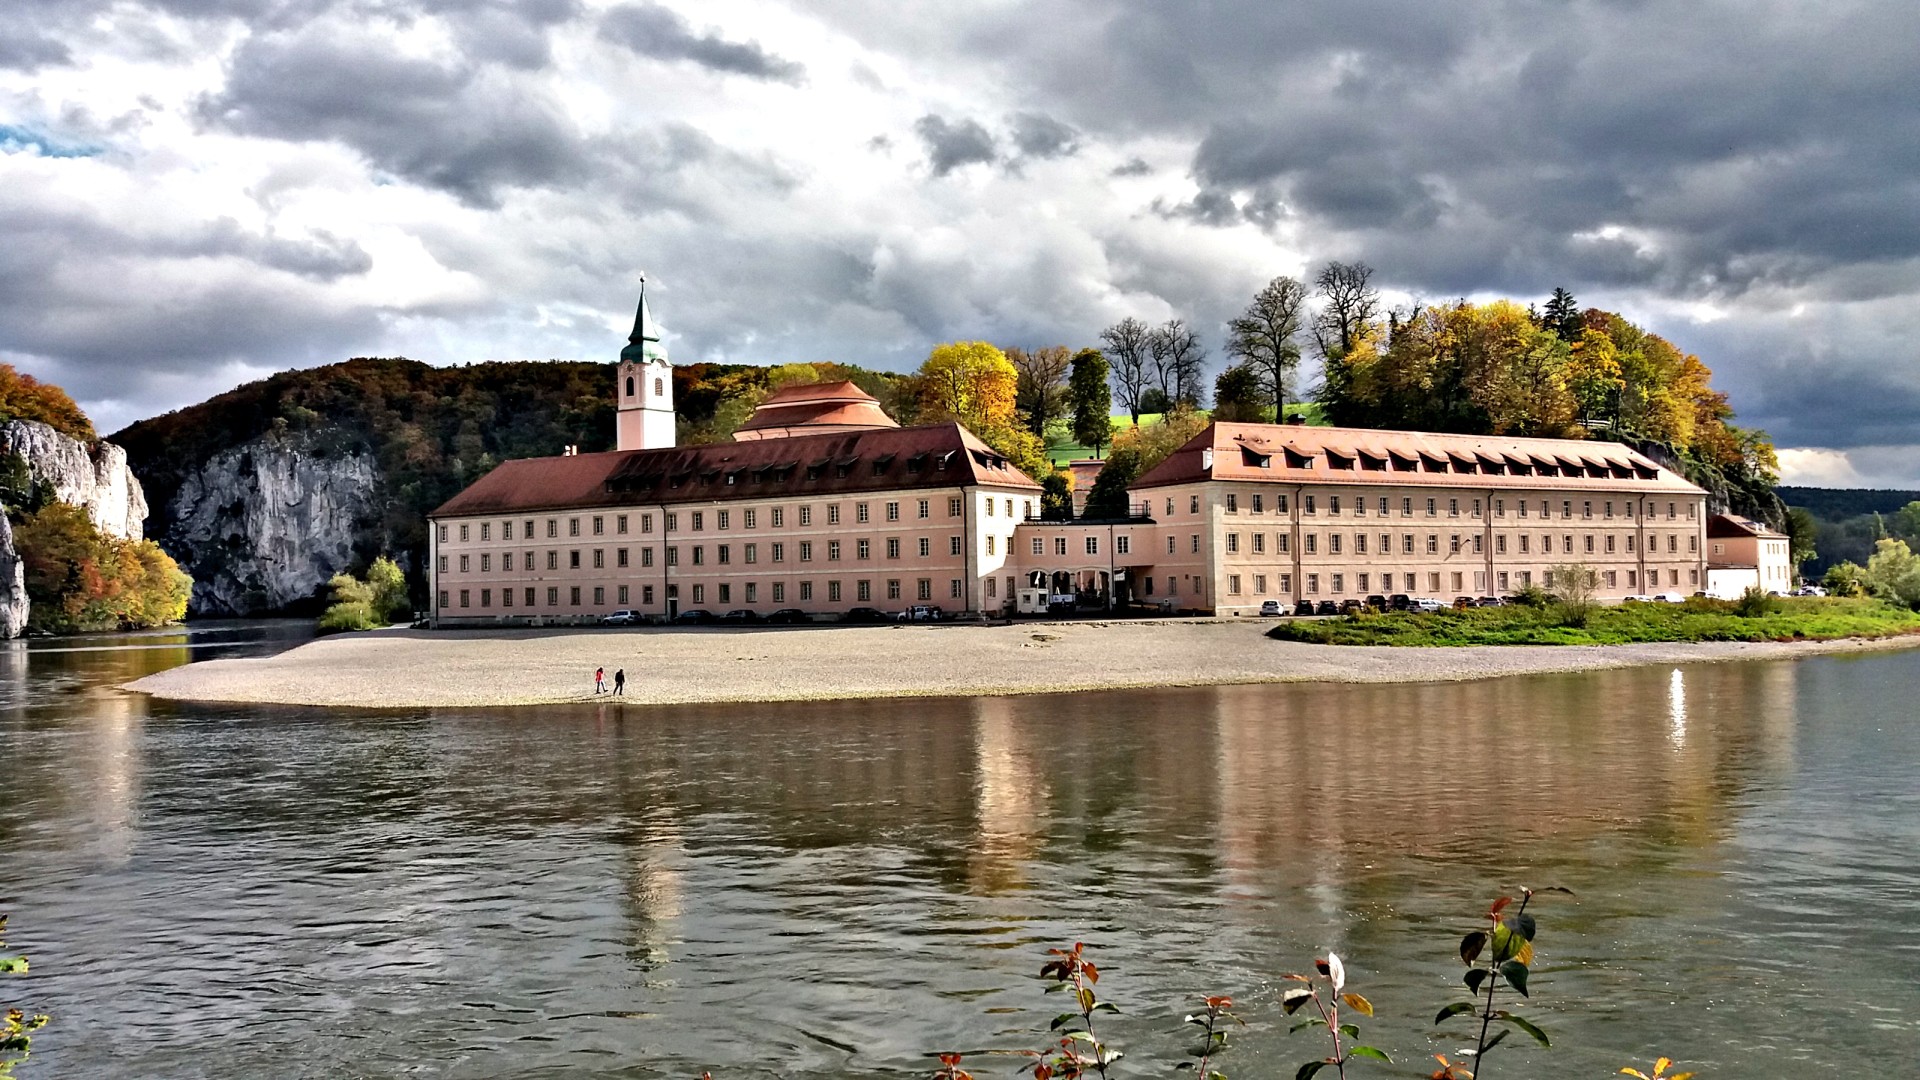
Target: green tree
{"type": "Point", "coordinates": [1262, 338]}
{"type": "Point", "coordinates": [1237, 396]}
{"type": "Point", "coordinates": [353, 606]}
{"type": "Point", "coordinates": [1845, 579]}
{"type": "Point", "coordinates": [1802, 533]}
{"type": "Point", "coordinates": [1108, 496]}
{"type": "Point", "coordinates": [1905, 522]}
{"type": "Point", "coordinates": [1056, 499]}
{"type": "Point", "coordinates": [1040, 393]}
{"type": "Point", "coordinates": [1092, 400]}
{"type": "Point", "coordinates": [1563, 317]}
{"type": "Point", "coordinates": [389, 588]}
{"type": "Point", "coordinates": [1893, 573]}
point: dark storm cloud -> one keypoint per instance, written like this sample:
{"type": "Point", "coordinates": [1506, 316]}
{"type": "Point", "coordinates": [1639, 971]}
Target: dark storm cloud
{"type": "Point", "coordinates": [952, 145]}
{"type": "Point", "coordinates": [30, 52]}
{"type": "Point", "coordinates": [1037, 135]}
{"type": "Point", "coordinates": [1133, 167]}
{"type": "Point", "coordinates": [652, 30]}
{"type": "Point", "coordinates": [463, 129]}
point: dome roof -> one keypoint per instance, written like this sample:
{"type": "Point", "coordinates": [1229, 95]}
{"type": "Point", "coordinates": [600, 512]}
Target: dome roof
{"type": "Point", "coordinates": [814, 408]}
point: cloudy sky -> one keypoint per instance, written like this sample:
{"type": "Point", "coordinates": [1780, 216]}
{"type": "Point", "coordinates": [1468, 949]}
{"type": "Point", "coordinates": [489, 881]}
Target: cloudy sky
{"type": "Point", "coordinates": [194, 193]}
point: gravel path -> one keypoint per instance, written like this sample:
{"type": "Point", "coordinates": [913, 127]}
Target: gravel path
{"type": "Point", "coordinates": [404, 668]}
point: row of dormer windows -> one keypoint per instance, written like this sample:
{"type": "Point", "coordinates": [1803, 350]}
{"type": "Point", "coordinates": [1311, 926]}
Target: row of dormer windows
{"type": "Point", "coordinates": [1337, 503]}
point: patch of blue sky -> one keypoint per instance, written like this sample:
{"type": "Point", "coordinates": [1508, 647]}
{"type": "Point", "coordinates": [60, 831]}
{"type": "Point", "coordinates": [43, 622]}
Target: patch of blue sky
{"type": "Point", "coordinates": [20, 140]}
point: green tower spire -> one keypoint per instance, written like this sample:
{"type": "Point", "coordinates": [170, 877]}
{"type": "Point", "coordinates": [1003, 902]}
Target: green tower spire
{"type": "Point", "coordinates": [643, 345]}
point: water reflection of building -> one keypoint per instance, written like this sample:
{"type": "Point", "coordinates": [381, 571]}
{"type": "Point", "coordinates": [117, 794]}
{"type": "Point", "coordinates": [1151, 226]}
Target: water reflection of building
{"type": "Point", "coordinates": [1478, 771]}
{"type": "Point", "coordinates": [1011, 797]}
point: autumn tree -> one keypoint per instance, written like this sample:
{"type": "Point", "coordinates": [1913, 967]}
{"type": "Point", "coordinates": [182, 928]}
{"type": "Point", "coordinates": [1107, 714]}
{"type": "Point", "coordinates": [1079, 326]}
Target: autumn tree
{"type": "Point", "coordinates": [1091, 400]}
{"type": "Point", "coordinates": [1128, 357]}
{"type": "Point", "coordinates": [968, 381]}
{"type": "Point", "coordinates": [1041, 390]}
{"type": "Point", "coordinates": [1177, 358]}
{"type": "Point", "coordinates": [1262, 338]}
{"type": "Point", "coordinates": [23, 397]}
{"type": "Point", "coordinates": [79, 578]}
{"type": "Point", "coordinates": [1136, 451]}
{"type": "Point", "coordinates": [1237, 395]}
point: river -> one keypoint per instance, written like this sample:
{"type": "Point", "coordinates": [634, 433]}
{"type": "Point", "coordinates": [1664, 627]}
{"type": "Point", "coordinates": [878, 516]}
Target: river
{"type": "Point", "coordinates": [839, 889]}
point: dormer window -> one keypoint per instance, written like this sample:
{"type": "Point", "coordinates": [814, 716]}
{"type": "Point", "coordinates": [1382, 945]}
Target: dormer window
{"type": "Point", "coordinates": [1254, 460]}
{"type": "Point", "coordinates": [1297, 460]}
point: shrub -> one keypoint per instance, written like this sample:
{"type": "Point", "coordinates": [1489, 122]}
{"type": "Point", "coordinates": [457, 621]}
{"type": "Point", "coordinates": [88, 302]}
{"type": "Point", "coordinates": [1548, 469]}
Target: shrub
{"type": "Point", "coordinates": [1572, 592]}
{"type": "Point", "coordinates": [79, 578]}
{"type": "Point", "coordinates": [370, 604]}
{"type": "Point", "coordinates": [1756, 602]}
{"type": "Point", "coordinates": [1845, 579]}
{"type": "Point", "coordinates": [1531, 595]}
{"type": "Point", "coordinates": [1893, 573]}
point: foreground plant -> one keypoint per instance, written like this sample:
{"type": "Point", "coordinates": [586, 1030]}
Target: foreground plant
{"type": "Point", "coordinates": [950, 1069]}
{"type": "Point", "coordinates": [1507, 944]}
{"type": "Point", "coordinates": [1214, 1040]}
{"type": "Point", "coordinates": [1335, 975]}
{"type": "Point", "coordinates": [1080, 1052]}
{"type": "Point", "coordinates": [16, 1031]}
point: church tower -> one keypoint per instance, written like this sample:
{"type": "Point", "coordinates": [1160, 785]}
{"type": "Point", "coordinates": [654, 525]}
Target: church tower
{"type": "Point", "coordinates": [645, 385]}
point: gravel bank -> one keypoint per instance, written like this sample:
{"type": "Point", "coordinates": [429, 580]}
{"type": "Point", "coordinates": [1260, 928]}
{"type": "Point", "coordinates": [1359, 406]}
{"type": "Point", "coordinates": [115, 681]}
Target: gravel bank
{"type": "Point", "coordinates": [404, 668]}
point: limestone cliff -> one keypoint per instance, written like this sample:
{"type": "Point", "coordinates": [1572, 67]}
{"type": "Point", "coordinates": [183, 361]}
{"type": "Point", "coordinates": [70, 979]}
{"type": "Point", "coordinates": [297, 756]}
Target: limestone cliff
{"type": "Point", "coordinates": [92, 476]}
{"type": "Point", "coordinates": [263, 525]}
{"type": "Point", "coordinates": [13, 585]}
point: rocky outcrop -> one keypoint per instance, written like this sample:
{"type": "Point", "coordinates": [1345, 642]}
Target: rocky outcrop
{"type": "Point", "coordinates": [93, 476]}
{"type": "Point", "coordinates": [13, 585]}
{"type": "Point", "coordinates": [264, 525]}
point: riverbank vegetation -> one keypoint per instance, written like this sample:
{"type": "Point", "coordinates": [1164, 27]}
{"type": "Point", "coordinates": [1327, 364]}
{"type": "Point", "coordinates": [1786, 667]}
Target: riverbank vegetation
{"type": "Point", "coordinates": [79, 578]}
{"type": "Point", "coordinates": [1698, 619]}
{"type": "Point", "coordinates": [377, 601]}
{"type": "Point", "coordinates": [17, 1026]}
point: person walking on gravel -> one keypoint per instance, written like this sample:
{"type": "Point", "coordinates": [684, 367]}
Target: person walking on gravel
{"type": "Point", "coordinates": [620, 681]}
{"type": "Point", "coordinates": [599, 680]}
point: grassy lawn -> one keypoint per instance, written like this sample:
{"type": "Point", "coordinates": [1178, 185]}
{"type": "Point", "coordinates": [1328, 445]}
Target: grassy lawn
{"type": "Point", "coordinates": [1795, 618]}
{"type": "Point", "coordinates": [1061, 448]}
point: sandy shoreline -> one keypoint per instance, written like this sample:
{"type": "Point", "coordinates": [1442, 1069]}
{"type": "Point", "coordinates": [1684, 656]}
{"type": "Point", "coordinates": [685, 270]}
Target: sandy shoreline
{"type": "Point", "coordinates": [476, 668]}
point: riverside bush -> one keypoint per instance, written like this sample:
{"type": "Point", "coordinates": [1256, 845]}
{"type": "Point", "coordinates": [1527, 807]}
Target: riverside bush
{"type": "Point", "coordinates": [1698, 619]}
{"type": "Point", "coordinates": [369, 604]}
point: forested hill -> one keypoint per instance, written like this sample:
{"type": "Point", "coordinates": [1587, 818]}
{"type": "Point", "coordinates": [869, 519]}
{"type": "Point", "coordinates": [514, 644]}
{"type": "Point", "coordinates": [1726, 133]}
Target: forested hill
{"type": "Point", "coordinates": [1832, 504]}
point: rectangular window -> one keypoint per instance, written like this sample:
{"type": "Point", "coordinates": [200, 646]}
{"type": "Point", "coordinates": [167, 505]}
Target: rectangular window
{"type": "Point", "coordinates": [699, 594]}
{"type": "Point", "coordinates": [1170, 543]}
{"type": "Point", "coordinates": [1313, 543]}
{"type": "Point", "coordinates": [893, 547]}
{"type": "Point", "coordinates": [893, 511]}
{"type": "Point", "coordinates": [486, 595]}
{"type": "Point", "coordinates": [1257, 503]}
{"type": "Point", "coordinates": [553, 528]}
{"type": "Point", "coordinates": [806, 515]}
{"type": "Point", "coordinates": [1610, 539]}
{"type": "Point", "coordinates": [463, 534]}
{"type": "Point", "coordinates": [926, 547]}
{"type": "Point", "coordinates": [1523, 544]}
{"type": "Point", "coordinates": [860, 513]}
{"type": "Point", "coordinates": [506, 560]}
{"type": "Point", "coordinates": [1433, 580]}
{"type": "Point", "coordinates": [924, 589]}
{"type": "Point", "coordinates": [1284, 543]}
{"type": "Point", "coordinates": [833, 592]}
{"type": "Point", "coordinates": [646, 523]}
{"type": "Point", "coordinates": [1453, 544]}
{"type": "Point", "coordinates": [779, 552]}
{"type": "Point", "coordinates": [553, 596]}
{"type": "Point", "coordinates": [1196, 543]}
{"type": "Point", "coordinates": [753, 592]}
{"type": "Point", "coordinates": [1339, 584]}
{"type": "Point", "coordinates": [723, 518]}
{"type": "Point", "coordinates": [573, 526]}
{"type": "Point", "coordinates": [863, 549]}
{"type": "Point", "coordinates": [806, 591]}
{"type": "Point", "coordinates": [1233, 543]}
{"type": "Point", "coordinates": [1313, 584]}
{"type": "Point", "coordinates": [466, 563]}
{"type": "Point", "coordinates": [1286, 583]}
{"type": "Point", "coordinates": [1500, 544]}
{"type": "Point", "coordinates": [923, 509]}
{"type": "Point", "coordinates": [622, 592]}
{"type": "Point", "coordinates": [953, 510]}
{"type": "Point", "coordinates": [863, 590]}
{"type": "Point", "coordinates": [953, 588]}
{"type": "Point", "coordinates": [806, 551]}
{"type": "Point", "coordinates": [1306, 504]}
{"type": "Point", "coordinates": [1609, 508]}
{"type": "Point", "coordinates": [893, 588]}
{"type": "Point", "coordinates": [573, 596]}
{"type": "Point", "coordinates": [1453, 507]}
{"type": "Point", "coordinates": [699, 554]}
{"type": "Point", "coordinates": [1333, 504]}
{"type": "Point", "coordinates": [486, 533]}
{"type": "Point", "coordinates": [779, 592]}
{"type": "Point", "coordinates": [751, 553]}
{"type": "Point", "coordinates": [1586, 508]}
{"type": "Point", "coordinates": [646, 556]}
{"type": "Point", "coordinates": [749, 519]}
{"type": "Point", "coordinates": [1589, 543]}
{"type": "Point", "coordinates": [673, 555]}
{"type": "Point", "coordinates": [573, 560]}
{"type": "Point", "coordinates": [1193, 504]}
{"type": "Point", "coordinates": [833, 518]}
{"type": "Point", "coordinates": [599, 595]}
{"type": "Point", "coordinates": [1432, 511]}
{"type": "Point", "coordinates": [1359, 543]}
{"type": "Point", "coordinates": [953, 545]}
{"type": "Point", "coordinates": [1360, 584]}
{"type": "Point", "coordinates": [599, 525]}
{"type": "Point", "coordinates": [464, 595]}
{"type": "Point", "coordinates": [1233, 580]}
{"type": "Point", "coordinates": [1233, 507]}
{"type": "Point", "coordinates": [599, 558]}
{"type": "Point", "coordinates": [620, 556]}
{"type": "Point", "coordinates": [1259, 584]}
{"type": "Point", "coordinates": [1433, 543]}
{"type": "Point", "coordinates": [989, 503]}
{"type": "Point", "coordinates": [673, 522]}
{"type": "Point", "coordinates": [699, 520]}
{"type": "Point", "coordinates": [443, 539]}
{"type": "Point", "coordinates": [833, 551]}
{"type": "Point", "coordinates": [1259, 543]}
{"type": "Point", "coordinates": [990, 544]}
{"type": "Point", "coordinates": [1122, 545]}
{"type": "Point", "coordinates": [779, 516]}
{"type": "Point", "coordinates": [1039, 546]}
{"type": "Point", "coordinates": [1059, 545]}
{"type": "Point", "coordinates": [724, 553]}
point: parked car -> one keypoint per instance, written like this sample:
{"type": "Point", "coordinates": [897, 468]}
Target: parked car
{"type": "Point", "coordinates": [1351, 607]}
{"type": "Point", "coordinates": [741, 615]}
{"type": "Point", "coordinates": [1326, 607]}
{"type": "Point", "coordinates": [1491, 601]}
{"type": "Point", "coordinates": [622, 617]}
{"type": "Point", "coordinates": [1810, 590]}
{"type": "Point", "coordinates": [1270, 608]}
{"type": "Point", "coordinates": [1400, 602]}
{"type": "Point", "coordinates": [922, 613]}
{"type": "Point", "coordinates": [1377, 602]}
{"type": "Point", "coordinates": [864, 615]}
{"type": "Point", "coordinates": [788, 616]}
{"type": "Point", "coordinates": [1425, 603]}
{"type": "Point", "coordinates": [694, 617]}
{"type": "Point", "coordinates": [1637, 598]}
{"type": "Point", "coordinates": [1304, 607]}
{"type": "Point", "coordinates": [1671, 598]}
{"type": "Point", "coordinates": [1462, 603]}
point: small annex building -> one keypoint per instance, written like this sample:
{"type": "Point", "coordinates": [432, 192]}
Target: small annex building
{"type": "Point", "coordinates": [1742, 554]}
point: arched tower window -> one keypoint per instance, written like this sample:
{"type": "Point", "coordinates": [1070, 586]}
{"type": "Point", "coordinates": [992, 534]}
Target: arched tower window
{"type": "Point", "coordinates": [629, 386]}
{"type": "Point", "coordinates": [658, 388]}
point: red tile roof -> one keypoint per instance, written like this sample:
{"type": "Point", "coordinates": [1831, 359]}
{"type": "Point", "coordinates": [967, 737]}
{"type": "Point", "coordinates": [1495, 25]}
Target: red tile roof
{"type": "Point", "coordinates": [839, 405]}
{"type": "Point", "coordinates": [1726, 525]}
{"type": "Point", "coordinates": [1295, 453]}
{"type": "Point", "coordinates": [837, 463]}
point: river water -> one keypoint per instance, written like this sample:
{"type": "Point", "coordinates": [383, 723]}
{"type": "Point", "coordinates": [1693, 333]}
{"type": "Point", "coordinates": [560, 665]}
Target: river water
{"type": "Point", "coordinates": [838, 889]}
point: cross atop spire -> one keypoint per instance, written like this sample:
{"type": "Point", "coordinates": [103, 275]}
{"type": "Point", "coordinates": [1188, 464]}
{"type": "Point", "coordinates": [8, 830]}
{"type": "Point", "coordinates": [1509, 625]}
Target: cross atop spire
{"type": "Point", "coordinates": [643, 345]}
